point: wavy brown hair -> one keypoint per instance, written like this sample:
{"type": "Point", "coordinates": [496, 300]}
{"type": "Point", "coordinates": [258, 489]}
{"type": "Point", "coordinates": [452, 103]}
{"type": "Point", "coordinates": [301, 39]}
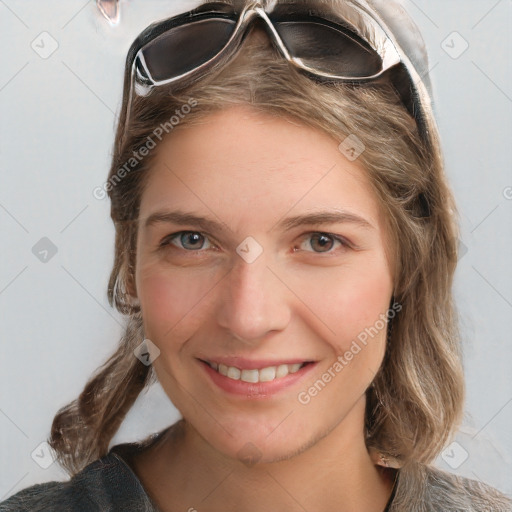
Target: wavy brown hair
{"type": "Point", "coordinates": [416, 398]}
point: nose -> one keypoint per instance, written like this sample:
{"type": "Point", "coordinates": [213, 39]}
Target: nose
{"type": "Point", "coordinates": [253, 301]}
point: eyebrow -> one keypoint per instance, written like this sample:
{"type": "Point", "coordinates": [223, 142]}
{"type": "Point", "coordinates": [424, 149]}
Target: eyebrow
{"type": "Point", "coordinates": [308, 219]}
{"type": "Point", "coordinates": [324, 217]}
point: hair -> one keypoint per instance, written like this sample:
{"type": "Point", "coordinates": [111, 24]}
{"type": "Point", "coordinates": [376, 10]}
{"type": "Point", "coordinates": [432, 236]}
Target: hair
{"type": "Point", "coordinates": [415, 401]}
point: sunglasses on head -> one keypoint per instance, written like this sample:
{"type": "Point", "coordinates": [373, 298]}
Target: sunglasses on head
{"type": "Point", "coordinates": [180, 50]}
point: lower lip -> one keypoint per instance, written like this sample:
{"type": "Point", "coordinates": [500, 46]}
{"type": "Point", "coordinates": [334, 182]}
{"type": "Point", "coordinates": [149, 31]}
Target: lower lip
{"type": "Point", "coordinates": [255, 390]}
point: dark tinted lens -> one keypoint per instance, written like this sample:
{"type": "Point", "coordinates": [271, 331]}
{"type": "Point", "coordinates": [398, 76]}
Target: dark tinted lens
{"type": "Point", "coordinates": [185, 47]}
{"type": "Point", "coordinates": [329, 50]}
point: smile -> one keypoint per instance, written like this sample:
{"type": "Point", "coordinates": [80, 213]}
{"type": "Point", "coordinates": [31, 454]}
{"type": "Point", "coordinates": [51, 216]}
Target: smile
{"type": "Point", "coordinates": [255, 375]}
{"type": "Point", "coordinates": [256, 379]}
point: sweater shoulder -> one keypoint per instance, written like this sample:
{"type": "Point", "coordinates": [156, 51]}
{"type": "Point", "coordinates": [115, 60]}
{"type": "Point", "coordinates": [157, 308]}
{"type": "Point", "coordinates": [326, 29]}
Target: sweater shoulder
{"type": "Point", "coordinates": [448, 492]}
{"type": "Point", "coordinates": [42, 497]}
{"type": "Point", "coordinates": [106, 484]}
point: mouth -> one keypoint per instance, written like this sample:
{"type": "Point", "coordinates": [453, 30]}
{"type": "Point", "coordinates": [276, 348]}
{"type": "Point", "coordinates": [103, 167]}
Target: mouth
{"type": "Point", "coordinates": [256, 375]}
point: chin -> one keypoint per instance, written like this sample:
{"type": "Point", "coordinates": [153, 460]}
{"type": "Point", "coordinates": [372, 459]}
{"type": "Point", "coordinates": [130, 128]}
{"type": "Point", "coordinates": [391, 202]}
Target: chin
{"type": "Point", "coordinates": [262, 443]}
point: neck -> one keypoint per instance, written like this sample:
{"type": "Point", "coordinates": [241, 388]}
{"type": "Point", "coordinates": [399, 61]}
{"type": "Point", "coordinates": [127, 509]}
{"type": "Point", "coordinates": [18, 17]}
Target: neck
{"type": "Point", "coordinates": [184, 472]}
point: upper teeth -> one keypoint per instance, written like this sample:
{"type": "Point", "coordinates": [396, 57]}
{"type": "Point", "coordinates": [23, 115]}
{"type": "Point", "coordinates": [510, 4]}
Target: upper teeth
{"type": "Point", "coordinates": [256, 375]}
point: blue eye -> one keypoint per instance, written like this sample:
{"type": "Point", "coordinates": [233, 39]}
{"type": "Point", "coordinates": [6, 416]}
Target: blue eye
{"type": "Point", "coordinates": [194, 241]}
{"type": "Point", "coordinates": [188, 240]}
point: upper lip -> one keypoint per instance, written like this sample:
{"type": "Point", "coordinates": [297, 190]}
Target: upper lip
{"type": "Point", "coordinates": [243, 363]}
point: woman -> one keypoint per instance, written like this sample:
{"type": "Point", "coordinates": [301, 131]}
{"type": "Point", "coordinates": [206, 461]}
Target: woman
{"type": "Point", "coordinates": [285, 249]}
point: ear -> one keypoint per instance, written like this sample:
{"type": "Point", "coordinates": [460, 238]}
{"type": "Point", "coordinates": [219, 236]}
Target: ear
{"type": "Point", "coordinates": [131, 288]}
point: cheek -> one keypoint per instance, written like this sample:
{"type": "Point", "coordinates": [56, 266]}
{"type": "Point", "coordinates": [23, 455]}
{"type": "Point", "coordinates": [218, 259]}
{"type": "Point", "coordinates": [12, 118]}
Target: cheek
{"type": "Point", "coordinates": [367, 299]}
{"type": "Point", "coordinates": [352, 301]}
{"type": "Point", "coordinates": [357, 315]}
{"type": "Point", "coordinates": [170, 303]}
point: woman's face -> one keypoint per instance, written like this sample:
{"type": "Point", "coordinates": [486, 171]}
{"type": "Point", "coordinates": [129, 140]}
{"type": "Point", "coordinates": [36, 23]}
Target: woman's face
{"type": "Point", "coordinates": [230, 271]}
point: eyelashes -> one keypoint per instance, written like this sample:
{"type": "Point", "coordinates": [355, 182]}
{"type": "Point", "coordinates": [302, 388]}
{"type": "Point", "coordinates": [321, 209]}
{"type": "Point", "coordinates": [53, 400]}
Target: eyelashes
{"type": "Point", "coordinates": [193, 238]}
{"type": "Point", "coordinates": [320, 237]}
{"type": "Point", "coordinates": [197, 242]}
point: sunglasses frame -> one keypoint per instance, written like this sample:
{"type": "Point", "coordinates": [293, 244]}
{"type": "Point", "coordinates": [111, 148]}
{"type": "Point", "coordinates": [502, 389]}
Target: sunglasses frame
{"type": "Point", "coordinates": [141, 84]}
{"type": "Point", "coordinates": [365, 24]}
{"type": "Point", "coordinates": [388, 54]}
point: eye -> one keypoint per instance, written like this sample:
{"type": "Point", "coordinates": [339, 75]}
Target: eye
{"type": "Point", "coordinates": [324, 242]}
{"type": "Point", "coordinates": [194, 241]}
{"type": "Point", "coordinates": [187, 240]}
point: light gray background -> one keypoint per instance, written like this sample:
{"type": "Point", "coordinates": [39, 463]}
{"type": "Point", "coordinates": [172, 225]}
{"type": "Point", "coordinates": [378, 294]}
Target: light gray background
{"type": "Point", "coordinates": [57, 128]}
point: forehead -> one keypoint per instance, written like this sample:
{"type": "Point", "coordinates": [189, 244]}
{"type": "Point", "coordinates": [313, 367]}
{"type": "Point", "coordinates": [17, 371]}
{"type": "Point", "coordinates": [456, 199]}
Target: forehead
{"type": "Point", "coordinates": [252, 167]}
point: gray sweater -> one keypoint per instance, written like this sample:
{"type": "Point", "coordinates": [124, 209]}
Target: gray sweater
{"type": "Point", "coordinates": [109, 484]}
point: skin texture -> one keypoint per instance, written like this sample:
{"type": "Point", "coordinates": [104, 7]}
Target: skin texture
{"type": "Point", "coordinates": [302, 297]}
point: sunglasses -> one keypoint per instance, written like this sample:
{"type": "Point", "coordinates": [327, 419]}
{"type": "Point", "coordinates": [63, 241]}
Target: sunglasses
{"type": "Point", "coordinates": [180, 50]}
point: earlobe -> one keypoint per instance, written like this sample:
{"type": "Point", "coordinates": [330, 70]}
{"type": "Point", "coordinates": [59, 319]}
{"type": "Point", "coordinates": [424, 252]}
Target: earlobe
{"type": "Point", "coordinates": [127, 286]}
{"type": "Point", "coordinates": [131, 289]}
{"type": "Point", "coordinates": [131, 298]}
